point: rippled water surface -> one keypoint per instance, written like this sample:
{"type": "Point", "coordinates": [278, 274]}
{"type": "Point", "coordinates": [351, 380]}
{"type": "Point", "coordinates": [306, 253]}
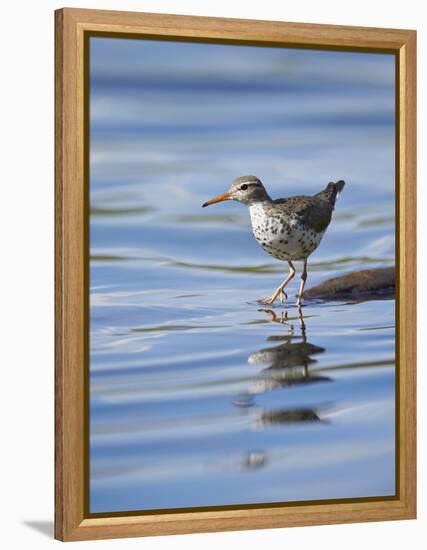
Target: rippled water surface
{"type": "Point", "coordinates": [198, 395]}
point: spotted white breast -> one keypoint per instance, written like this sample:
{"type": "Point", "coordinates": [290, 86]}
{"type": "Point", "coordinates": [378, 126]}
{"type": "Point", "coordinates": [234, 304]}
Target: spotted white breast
{"type": "Point", "coordinates": [282, 236]}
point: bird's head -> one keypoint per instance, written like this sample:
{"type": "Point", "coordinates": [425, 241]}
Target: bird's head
{"type": "Point", "coordinates": [246, 189]}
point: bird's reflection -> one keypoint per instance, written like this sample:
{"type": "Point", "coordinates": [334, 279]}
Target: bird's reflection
{"type": "Point", "coordinates": [286, 364]}
{"type": "Point", "coordinates": [286, 416]}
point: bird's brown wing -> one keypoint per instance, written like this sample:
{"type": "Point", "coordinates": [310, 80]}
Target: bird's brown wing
{"type": "Point", "coordinates": [313, 212]}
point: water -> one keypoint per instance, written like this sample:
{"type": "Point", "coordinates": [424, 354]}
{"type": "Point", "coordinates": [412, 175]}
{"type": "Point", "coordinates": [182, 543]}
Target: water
{"type": "Point", "coordinates": [198, 395]}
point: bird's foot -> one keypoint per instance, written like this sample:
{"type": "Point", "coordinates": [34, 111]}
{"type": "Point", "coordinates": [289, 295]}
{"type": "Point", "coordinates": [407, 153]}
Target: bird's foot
{"type": "Point", "coordinates": [267, 301]}
{"type": "Point", "coordinates": [280, 293]}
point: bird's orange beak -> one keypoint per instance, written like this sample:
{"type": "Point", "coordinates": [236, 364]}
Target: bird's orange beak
{"type": "Point", "coordinates": [219, 198]}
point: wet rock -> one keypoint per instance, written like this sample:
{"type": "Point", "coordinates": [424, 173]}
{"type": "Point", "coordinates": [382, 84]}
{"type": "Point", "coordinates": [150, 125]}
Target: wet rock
{"type": "Point", "coordinates": [358, 285]}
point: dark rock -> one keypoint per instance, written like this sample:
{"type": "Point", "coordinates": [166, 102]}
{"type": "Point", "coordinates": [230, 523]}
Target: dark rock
{"type": "Point", "coordinates": [358, 285]}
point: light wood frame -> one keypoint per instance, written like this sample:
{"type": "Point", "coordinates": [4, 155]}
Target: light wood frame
{"type": "Point", "coordinates": [72, 522]}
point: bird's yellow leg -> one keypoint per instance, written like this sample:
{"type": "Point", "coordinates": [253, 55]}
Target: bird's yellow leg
{"type": "Point", "coordinates": [302, 284]}
{"type": "Point", "coordinates": [279, 292]}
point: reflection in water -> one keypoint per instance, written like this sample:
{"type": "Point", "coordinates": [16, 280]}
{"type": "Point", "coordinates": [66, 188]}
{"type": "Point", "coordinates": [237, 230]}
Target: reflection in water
{"type": "Point", "coordinates": [254, 460]}
{"type": "Point", "coordinates": [285, 416]}
{"type": "Point", "coordinates": [287, 365]}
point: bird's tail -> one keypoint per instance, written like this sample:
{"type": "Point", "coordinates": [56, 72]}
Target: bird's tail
{"type": "Point", "coordinates": [332, 190]}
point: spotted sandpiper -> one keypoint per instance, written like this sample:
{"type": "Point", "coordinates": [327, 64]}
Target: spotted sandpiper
{"type": "Point", "coordinates": [288, 229]}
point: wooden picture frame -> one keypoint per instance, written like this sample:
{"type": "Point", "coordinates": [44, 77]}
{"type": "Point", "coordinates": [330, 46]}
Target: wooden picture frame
{"type": "Point", "coordinates": [72, 27]}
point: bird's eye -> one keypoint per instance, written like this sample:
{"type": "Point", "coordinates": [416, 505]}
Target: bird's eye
{"type": "Point", "coordinates": [244, 187]}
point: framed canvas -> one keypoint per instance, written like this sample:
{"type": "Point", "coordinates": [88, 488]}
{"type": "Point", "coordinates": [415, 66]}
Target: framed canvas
{"type": "Point", "coordinates": [184, 403]}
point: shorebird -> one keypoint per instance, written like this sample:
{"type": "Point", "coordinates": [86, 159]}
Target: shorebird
{"type": "Point", "coordinates": [288, 229]}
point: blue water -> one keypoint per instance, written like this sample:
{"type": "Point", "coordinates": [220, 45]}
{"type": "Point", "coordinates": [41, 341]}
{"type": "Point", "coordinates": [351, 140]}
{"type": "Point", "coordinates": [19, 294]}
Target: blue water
{"type": "Point", "coordinates": [198, 396]}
